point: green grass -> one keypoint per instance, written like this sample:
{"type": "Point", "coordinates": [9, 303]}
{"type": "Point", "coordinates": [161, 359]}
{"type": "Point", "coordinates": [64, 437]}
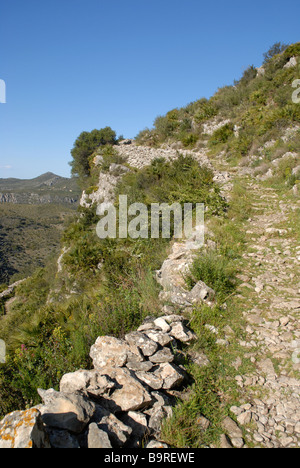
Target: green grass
{"type": "Point", "coordinates": [214, 389]}
{"type": "Point", "coordinates": [217, 271]}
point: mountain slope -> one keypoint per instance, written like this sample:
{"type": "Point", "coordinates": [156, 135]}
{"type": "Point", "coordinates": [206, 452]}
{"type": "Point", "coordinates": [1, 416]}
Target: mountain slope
{"type": "Point", "coordinates": [32, 213]}
{"type": "Point", "coordinates": [244, 362]}
{"type": "Point", "coordinates": [47, 188]}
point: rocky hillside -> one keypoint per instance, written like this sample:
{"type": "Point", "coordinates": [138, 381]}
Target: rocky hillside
{"type": "Point", "coordinates": [156, 343]}
{"type": "Point", "coordinates": [47, 188]}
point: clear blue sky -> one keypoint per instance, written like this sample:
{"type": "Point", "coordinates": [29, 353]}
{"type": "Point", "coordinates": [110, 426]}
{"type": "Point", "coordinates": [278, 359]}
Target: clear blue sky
{"type": "Point", "coordinates": [75, 65]}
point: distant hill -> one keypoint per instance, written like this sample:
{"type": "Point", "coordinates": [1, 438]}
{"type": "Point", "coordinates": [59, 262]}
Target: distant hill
{"type": "Point", "coordinates": [45, 189]}
{"type": "Point", "coordinates": [32, 215]}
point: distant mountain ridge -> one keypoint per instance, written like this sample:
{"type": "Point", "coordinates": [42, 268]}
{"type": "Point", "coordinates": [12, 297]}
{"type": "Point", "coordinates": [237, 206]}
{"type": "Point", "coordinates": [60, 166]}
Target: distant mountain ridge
{"type": "Point", "coordinates": [45, 189]}
{"type": "Point", "coordinates": [32, 214]}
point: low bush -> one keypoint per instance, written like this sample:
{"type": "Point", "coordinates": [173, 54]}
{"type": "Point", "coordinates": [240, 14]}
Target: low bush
{"type": "Point", "coordinates": [221, 135]}
{"type": "Point", "coordinates": [216, 271]}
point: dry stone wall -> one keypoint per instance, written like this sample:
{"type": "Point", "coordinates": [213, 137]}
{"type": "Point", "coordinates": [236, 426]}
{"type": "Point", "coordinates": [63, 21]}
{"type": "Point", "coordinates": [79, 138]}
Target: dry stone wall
{"type": "Point", "coordinates": [121, 402]}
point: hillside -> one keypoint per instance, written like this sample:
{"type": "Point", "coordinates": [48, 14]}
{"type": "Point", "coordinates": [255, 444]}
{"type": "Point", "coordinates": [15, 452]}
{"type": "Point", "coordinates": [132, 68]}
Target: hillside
{"type": "Point", "coordinates": [32, 214]}
{"type": "Point", "coordinates": [178, 345]}
{"type": "Point", "coordinates": [251, 123]}
{"type": "Point", "coordinates": [47, 188]}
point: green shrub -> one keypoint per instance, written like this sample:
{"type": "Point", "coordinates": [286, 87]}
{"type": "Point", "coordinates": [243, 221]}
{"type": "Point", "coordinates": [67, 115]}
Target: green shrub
{"type": "Point", "coordinates": [85, 146]}
{"type": "Point", "coordinates": [181, 181]}
{"type": "Point", "coordinates": [147, 137]}
{"type": "Point", "coordinates": [226, 99]}
{"type": "Point", "coordinates": [206, 110]}
{"type": "Point", "coordinates": [189, 140]}
{"type": "Point", "coordinates": [292, 51]}
{"type": "Point", "coordinates": [110, 156]}
{"type": "Point", "coordinates": [165, 126]}
{"type": "Point", "coordinates": [216, 271]}
{"type": "Point", "coordinates": [274, 50]}
{"type": "Point", "coordinates": [249, 74]}
{"type": "Point", "coordinates": [221, 135]}
{"type": "Point", "coordinates": [284, 177]}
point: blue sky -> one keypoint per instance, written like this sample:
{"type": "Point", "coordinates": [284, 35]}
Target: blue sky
{"type": "Point", "coordinates": [75, 65]}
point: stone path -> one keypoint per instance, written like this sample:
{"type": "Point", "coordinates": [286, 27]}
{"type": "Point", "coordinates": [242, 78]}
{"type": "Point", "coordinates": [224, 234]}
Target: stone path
{"type": "Point", "coordinates": [271, 414]}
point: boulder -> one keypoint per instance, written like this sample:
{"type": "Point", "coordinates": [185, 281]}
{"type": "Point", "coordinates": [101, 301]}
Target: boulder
{"type": "Point", "coordinates": [71, 411]}
{"type": "Point", "coordinates": [138, 423]}
{"type": "Point", "coordinates": [136, 366]}
{"type": "Point", "coordinates": [171, 374]}
{"type": "Point", "coordinates": [97, 439]}
{"type": "Point", "coordinates": [23, 429]}
{"type": "Point", "coordinates": [159, 337]}
{"type": "Point", "coordinates": [182, 333]}
{"type": "Point", "coordinates": [109, 351]}
{"type": "Point", "coordinates": [137, 339]}
{"type": "Point", "coordinates": [87, 382]}
{"type": "Point", "coordinates": [201, 293]}
{"type": "Point", "coordinates": [117, 431]}
{"type": "Point", "coordinates": [151, 379]}
{"type": "Point", "coordinates": [231, 428]}
{"type": "Point", "coordinates": [158, 414]}
{"type": "Point", "coordinates": [129, 395]}
{"type": "Point", "coordinates": [62, 439]}
{"type": "Point", "coordinates": [161, 323]}
{"type": "Point", "coordinates": [163, 355]}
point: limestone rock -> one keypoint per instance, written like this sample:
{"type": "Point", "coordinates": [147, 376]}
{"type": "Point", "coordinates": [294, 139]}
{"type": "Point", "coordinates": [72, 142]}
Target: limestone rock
{"type": "Point", "coordinates": [159, 337]}
{"type": "Point", "coordinates": [171, 374]}
{"type": "Point", "coordinates": [199, 358]}
{"type": "Point", "coordinates": [173, 318]}
{"type": "Point", "coordinates": [155, 444]}
{"type": "Point", "coordinates": [109, 351]}
{"type": "Point", "coordinates": [182, 333]}
{"type": "Point", "coordinates": [291, 63]}
{"type": "Point", "coordinates": [161, 323]}
{"type": "Point", "coordinates": [66, 411]}
{"type": "Point", "coordinates": [244, 418]}
{"type": "Point", "coordinates": [23, 429]}
{"type": "Point", "coordinates": [201, 293]}
{"type": "Point", "coordinates": [88, 382]}
{"type": "Point", "coordinates": [142, 342]}
{"type": "Point", "coordinates": [231, 428]}
{"type": "Point", "coordinates": [164, 355]}
{"type": "Point", "coordinates": [158, 414]}
{"type": "Point", "coordinates": [130, 394]}
{"type": "Point", "coordinates": [138, 423]}
{"type": "Point", "coordinates": [137, 366]}
{"type": "Point", "coordinates": [225, 443]}
{"type": "Point", "coordinates": [118, 431]}
{"type": "Point", "coordinates": [151, 379]}
{"type": "Point", "coordinates": [62, 439]}
{"type": "Point", "coordinates": [203, 423]}
{"type": "Point", "coordinates": [97, 439]}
